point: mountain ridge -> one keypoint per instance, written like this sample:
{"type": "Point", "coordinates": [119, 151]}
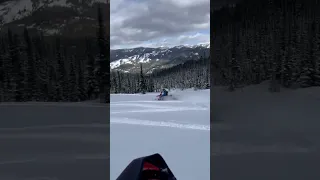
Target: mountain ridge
{"type": "Point", "coordinates": [129, 60]}
{"type": "Point", "coordinates": [52, 17]}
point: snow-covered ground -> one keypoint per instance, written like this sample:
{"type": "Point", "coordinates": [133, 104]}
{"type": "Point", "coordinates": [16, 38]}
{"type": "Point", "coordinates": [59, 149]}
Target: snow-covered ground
{"type": "Point", "coordinates": [255, 135]}
{"type": "Point", "coordinates": [179, 130]}
{"type": "Point", "coordinates": [261, 135]}
{"type": "Point", "coordinates": [54, 141]}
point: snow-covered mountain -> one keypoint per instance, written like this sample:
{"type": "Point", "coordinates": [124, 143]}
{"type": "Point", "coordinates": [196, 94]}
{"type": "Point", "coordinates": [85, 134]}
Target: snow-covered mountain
{"type": "Point", "coordinates": [63, 17]}
{"type": "Point", "coordinates": [129, 60]}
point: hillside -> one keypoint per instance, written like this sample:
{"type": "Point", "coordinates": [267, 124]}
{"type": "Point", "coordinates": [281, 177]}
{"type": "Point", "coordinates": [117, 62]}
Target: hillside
{"type": "Point", "coordinates": [44, 67]}
{"type": "Point", "coordinates": [266, 130]}
{"type": "Point", "coordinates": [267, 40]}
{"type": "Point", "coordinates": [128, 60]}
{"type": "Point", "coordinates": [52, 17]}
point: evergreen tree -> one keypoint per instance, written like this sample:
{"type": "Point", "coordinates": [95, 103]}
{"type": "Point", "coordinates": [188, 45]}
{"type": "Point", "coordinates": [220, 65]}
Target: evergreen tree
{"type": "Point", "coordinates": [104, 63]}
{"type": "Point", "coordinates": [31, 85]}
{"type": "Point", "coordinates": [142, 83]}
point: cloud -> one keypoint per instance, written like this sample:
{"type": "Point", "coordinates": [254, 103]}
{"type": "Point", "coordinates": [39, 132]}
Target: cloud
{"type": "Point", "coordinates": [136, 23]}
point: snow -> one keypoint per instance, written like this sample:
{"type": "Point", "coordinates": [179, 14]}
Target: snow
{"type": "Point", "coordinates": [130, 60]}
{"type": "Point", "coordinates": [204, 45]}
{"type": "Point", "coordinates": [256, 134]}
{"type": "Point", "coordinates": [9, 10]}
{"type": "Point", "coordinates": [63, 3]}
{"type": "Point", "coordinates": [51, 31]}
{"type": "Point", "coordinates": [150, 57]}
{"type": "Point", "coordinates": [118, 63]}
{"type": "Point", "coordinates": [177, 129]}
{"type": "Point", "coordinates": [54, 141]}
{"type": "Point", "coordinates": [18, 9]}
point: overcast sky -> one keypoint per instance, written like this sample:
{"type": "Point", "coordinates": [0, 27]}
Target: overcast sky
{"type": "Point", "coordinates": [154, 23]}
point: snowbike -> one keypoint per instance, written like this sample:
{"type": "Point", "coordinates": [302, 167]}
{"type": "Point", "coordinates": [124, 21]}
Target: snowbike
{"type": "Point", "coordinates": [163, 98]}
{"type": "Point", "coordinates": [159, 97]}
{"type": "Point", "coordinates": [151, 167]}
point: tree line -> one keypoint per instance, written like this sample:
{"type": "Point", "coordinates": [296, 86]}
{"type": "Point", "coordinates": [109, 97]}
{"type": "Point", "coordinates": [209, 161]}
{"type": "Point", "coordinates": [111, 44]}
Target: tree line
{"type": "Point", "coordinates": [55, 68]}
{"type": "Point", "coordinates": [191, 74]}
{"type": "Point", "coordinates": [276, 40]}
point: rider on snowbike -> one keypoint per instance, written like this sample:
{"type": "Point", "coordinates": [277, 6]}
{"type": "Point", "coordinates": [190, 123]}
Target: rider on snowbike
{"type": "Point", "coordinates": [163, 93]}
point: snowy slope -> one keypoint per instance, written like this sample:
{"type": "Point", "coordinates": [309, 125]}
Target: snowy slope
{"type": "Point", "coordinates": [52, 17]}
{"type": "Point", "coordinates": [53, 141]}
{"type": "Point", "coordinates": [261, 135]}
{"type": "Point", "coordinates": [129, 60]}
{"type": "Point", "coordinates": [13, 10]}
{"type": "Point", "coordinates": [178, 130]}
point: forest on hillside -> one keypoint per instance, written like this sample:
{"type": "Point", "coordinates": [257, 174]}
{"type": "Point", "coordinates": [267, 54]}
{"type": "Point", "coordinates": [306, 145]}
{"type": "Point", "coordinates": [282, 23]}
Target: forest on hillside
{"type": "Point", "coordinates": [55, 69]}
{"type": "Point", "coordinates": [191, 74]}
{"type": "Point", "coordinates": [276, 40]}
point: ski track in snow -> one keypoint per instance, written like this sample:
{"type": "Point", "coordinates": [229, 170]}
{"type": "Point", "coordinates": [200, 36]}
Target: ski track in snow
{"type": "Point", "coordinates": [57, 158]}
{"type": "Point", "coordinates": [56, 126]}
{"type": "Point", "coordinates": [156, 107]}
{"type": "Point", "coordinates": [261, 135]}
{"type": "Point", "coordinates": [160, 124]}
{"type": "Point", "coordinates": [54, 141]}
{"type": "Point", "coordinates": [158, 110]}
{"type": "Point", "coordinates": [54, 104]}
{"type": "Point", "coordinates": [63, 139]}
{"type": "Point", "coordinates": [177, 129]}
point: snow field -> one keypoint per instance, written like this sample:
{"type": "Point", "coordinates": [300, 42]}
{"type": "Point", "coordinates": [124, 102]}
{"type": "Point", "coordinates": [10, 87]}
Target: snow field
{"type": "Point", "coordinates": [179, 130]}
{"type": "Point", "coordinates": [54, 141]}
{"type": "Point", "coordinates": [256, 134]}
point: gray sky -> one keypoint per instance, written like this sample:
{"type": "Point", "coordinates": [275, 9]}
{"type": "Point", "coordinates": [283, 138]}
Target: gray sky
{"type": "Point", "coordinates": [154, 23]}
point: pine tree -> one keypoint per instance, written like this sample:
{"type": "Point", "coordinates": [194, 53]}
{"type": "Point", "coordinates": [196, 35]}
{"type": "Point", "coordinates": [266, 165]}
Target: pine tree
{"type": "Point", "coordinates": [91, 80]}
{"type": "Point", "coordinates": [72, 82]}
{"type": "Point", "coordinates": [2, 75]}
{"type": "Point", "coordinates": [17, 80]}
{"type": "Point", "coordinates": [103, 72]}
{"type": "Point", "coordinates": [62, 89]}
{"type": "Point", "coordinates": [81, 81]}
{"type": "Point", "coordinates": [142, 83]}
{"type": "Point", "coordinates": [31, 88]}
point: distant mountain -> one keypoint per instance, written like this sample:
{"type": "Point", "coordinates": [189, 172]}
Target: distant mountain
{"type": "Point", "coordinates": [129, 60]}
{"type": "Point", "coordinates": [72, 18]}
